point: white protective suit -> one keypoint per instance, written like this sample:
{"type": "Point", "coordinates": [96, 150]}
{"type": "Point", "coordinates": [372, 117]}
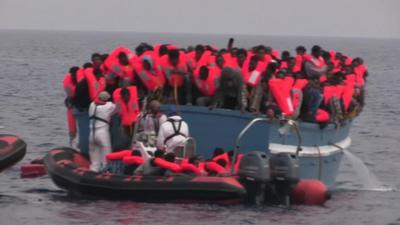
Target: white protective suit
{"type": "Point", "coordinates": [173, 133]}
{"type": "Point", "coordinates": [99, 138]}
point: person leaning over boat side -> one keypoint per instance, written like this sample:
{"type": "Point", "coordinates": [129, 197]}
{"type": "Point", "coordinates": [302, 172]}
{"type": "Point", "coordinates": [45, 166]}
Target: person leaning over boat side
{"type": "Point", "coordinates": [100, 112]}
{"type": "Point", "coordinates": [150, 123]}
{"type": "Point", "coordinates": [173, 133]}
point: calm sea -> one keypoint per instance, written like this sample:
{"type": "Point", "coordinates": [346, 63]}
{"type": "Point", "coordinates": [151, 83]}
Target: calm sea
{"type": "Point", "coordinates": [32, 66]}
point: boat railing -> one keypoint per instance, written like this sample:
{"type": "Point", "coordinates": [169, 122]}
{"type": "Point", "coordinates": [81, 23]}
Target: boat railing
{"type": "Point", "coordinates": [289, 125]}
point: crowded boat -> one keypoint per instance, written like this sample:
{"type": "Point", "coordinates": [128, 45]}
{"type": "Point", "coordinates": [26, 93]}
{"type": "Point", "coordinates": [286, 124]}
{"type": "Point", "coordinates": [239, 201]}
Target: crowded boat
{"type": "Point", "coordinates": [319, 86]}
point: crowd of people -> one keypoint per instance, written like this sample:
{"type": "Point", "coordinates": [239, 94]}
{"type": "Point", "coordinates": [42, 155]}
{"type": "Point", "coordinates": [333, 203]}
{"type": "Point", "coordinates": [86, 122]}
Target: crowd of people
{"type": "Point", "coordinates": [321, 86]}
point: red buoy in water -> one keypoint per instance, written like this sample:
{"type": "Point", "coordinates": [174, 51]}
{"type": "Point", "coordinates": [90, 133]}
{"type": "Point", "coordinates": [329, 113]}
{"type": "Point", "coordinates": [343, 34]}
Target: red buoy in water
{"type": "Point", "coordinates": [33, 169]}
{"type": "Point", "coordinates": [310, 192]}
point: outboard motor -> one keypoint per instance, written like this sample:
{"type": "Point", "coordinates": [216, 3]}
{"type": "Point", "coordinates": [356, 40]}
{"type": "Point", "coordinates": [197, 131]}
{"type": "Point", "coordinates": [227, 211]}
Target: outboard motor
{"type": "Point", "coordinates": [254, 175]}
{"type": "Point", "coordinates": [284, 176]}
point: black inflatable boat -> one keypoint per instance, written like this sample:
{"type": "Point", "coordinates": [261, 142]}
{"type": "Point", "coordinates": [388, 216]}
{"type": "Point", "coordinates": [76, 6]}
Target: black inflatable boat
{"type": "Point", "coordinates": [69, 170]}
{"type": "Point", "coordinates": [12, 150]}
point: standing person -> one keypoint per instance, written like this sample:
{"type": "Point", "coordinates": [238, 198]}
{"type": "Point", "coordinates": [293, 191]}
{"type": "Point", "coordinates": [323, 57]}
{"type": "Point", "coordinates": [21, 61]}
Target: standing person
{"type": "Point", "coordinates": [173, 133]}
{"type": "Point", "coordinates": [150, 123]}
{"type": "Point", "coordinates": [100, 112]}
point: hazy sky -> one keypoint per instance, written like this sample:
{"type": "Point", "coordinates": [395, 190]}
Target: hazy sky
{"type": "Point", "coordinates": [359, 18]}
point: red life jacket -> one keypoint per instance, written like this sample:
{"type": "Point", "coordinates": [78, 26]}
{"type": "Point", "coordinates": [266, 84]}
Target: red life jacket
{"type": "Point", "coordinates": [215, 167]}
{"type": "Point", "coordinates": [188, 167]}
{"type": "Point", "coordinates": [118, 155]}
{"type": "Point", "coordinates": [225, 157]}
{"type": "Point", "coordinates": [204, 60]}
{"type": "Point", "coordinates": [95, 85]}
{"type": "Point", "coordinates": [360, 73]}
{"type": "Point", "coordinates": [252, 78]}
{"type": "Point", "coordinates": [153, 79]}
{"type": "Point", "coordinates": [347, 96]}
{"type": "Point", "coordinates": [122, 71]}
{"type": "Point", "coordinates": [280, 89]}
{"type": "Point", "coordinates": [322, 116]}
{"type": "Point", "coordinates": [127, 112]}
{"type": "Point", "coordinates": [348, 61]}
{"type": "Point", "coordinates": [276, 53]}
{"type": "Point", "coordinates": [174, 79]}
{"type": "Point", "coordinates": [133, 160]}
{"type": "Point", "coordinates": [71, 121]}
{"type": "Point", "coordinates": [207, 87]}
{"type": "Point", "coordinates": [162, 163]}
{"type": "Point", "coordinates": [69, 86]}
{"type": "Point", "coordinates": [332, 91]}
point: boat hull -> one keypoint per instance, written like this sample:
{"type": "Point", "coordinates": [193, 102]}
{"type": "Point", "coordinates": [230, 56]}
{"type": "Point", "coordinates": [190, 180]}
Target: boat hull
{"type": "Point", "coordinates": [68, 169]}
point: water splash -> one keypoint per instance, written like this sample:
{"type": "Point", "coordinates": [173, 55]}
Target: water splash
{"type": "Point", "coordinates": [369, 181]}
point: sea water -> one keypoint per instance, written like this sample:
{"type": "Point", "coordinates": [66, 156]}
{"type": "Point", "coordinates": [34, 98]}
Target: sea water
{"type": "Point", "coordinates": [32, 66]}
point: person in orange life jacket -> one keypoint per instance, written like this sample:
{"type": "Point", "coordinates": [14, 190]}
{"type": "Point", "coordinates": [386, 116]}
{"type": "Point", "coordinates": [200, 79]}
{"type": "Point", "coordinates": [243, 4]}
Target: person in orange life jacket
{"type": "Point", "coordinates": [173, 133]}
{"type": "Point", "coordinates": [299, 59]}
{"type": "Point", "coordinates": [128, 109]}
{"type": "Point", "coordinates": [100, 112]}
{"type": "Point", "coordinates": [128, 72]}
{"type": "Point", "coordinates": [315, 66]}
{"type": "Point", "coordinates": [285, 58]}
{"type": "Point", "coordinates": [231, 91]}
{"type": "Point", "coordinates": [150, 123]}
{"type": "Point", "coordinates": [360, 70]}
{"type": "Point", "coordinates": [192, 63]}
{"type": "Point", "coordinates": [252, 91]}
{"type": "Point", "coordinates": [180, 93]}
{"type": "Point", "coordinates": [206, 82]}
{"type": "Point", "coordinates": [149, 79]}
{"type": "Point", "coordinates": [70, 82]}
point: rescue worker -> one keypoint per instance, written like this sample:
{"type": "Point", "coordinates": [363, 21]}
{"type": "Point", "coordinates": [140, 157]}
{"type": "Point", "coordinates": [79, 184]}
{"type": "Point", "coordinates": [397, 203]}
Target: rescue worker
{"type": "Point", "coordinates": [150, 123]}
{"type": "Point", "coordinates": [100, 112]}
{"type": "Point", "coordinates": [173, 133]}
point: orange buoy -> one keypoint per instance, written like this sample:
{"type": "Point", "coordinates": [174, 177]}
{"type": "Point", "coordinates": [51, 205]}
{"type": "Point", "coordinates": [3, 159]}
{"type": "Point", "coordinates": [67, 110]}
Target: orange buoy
{"type": "Point", "coordinates": [310, 192]}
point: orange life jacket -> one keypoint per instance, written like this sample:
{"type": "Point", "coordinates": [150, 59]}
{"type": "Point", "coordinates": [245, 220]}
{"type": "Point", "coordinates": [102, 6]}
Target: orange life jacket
{"type": "Point", "coordinates": [174, 79]}
{"type": "Point", "coordinates": [225, 157]}
{"type": "Point", "coordinates": [118, 155]}
{"type": "Point", "coordinates": [253, 78]}
{"type": "Point", "coordinates": [297, 93]}
{"type": "Point", "coordinates": [71, 121]}
{"type": "Point", "coordinates": [133, 160]}
{"type": "Point", "coordinates": [153, 79]}
{"type": "Point", "coordinates": [162, 163]}
{"type": "Point", "coordinates": [322, 116]}
{"type": "Point", "coordinates": [204, 60]}
{"type": "Point", "coordinates": [280, 89]}
{"type": "Point", "coordinates": [95, 85]}
{"type": "Point", "coordinates": [215, 167]}
{"type": "Point", "coordinates": [347, 95]}
{"type": "Point", "coordinates": [127, 112]}
{"type": "Point", "coordinates": [317, 62]}
{"type": "Point", "coordinates": [69, 86]}
{"type": "Point", "coordinates": [360, 73]}
{"type": "Point", "coordinates": [332, 91]}
{"type": "Point", "coordinates": [122, 71]}
{"type": "Point", "coordinates": [207, 87]}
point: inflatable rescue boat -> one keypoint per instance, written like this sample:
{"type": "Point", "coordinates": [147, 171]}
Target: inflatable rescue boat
{"type": "Point", "coordinates": [12, 150]}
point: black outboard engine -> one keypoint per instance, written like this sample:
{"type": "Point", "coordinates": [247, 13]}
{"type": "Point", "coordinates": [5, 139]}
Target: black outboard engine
{"type": "Point", "coordinates": [254, 175]}
{"type": "Point", "coordinates": [284, 176]}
